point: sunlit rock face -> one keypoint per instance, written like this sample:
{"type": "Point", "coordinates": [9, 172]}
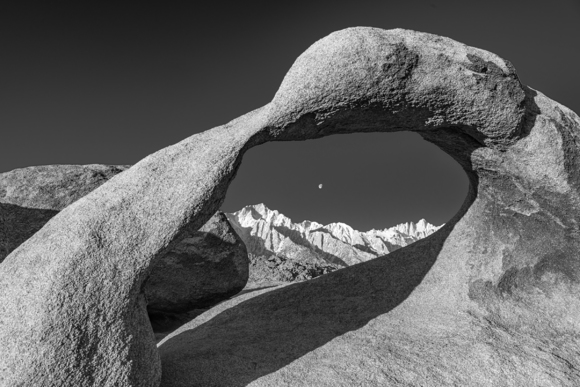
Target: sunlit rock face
{"type": "Point", "coordinates": [208, 266]}
{"type": "Point", "coordinates": [281, 250]}
{"type": "Point", "coordinates": [489, 299]}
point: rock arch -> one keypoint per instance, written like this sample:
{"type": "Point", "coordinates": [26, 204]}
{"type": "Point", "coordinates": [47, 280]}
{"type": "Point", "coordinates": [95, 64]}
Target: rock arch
{"type": "Point", "coordinates": [71, 307]}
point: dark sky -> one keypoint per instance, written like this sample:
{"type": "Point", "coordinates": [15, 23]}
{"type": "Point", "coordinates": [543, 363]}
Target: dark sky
{"type": "Point", "coordinates": [86, 84]}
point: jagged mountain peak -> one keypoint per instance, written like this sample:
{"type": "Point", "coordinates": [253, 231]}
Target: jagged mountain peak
{"type": "Point", "coordinates": [340, 225]}
{"type": "Point", "coordinates": [261, 211]}
{"type": "Point", "coordinates": [421, 227]}
{"type": "Point", "coordinates": [267, 231]}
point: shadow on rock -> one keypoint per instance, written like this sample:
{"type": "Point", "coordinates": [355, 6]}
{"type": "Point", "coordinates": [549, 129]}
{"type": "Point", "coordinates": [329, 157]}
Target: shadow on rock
{"type": "Point", "coordinates": [164, 323]}
{"type": "Point", "coordinates": [18, 223]}
{"type": "Point", "coordinates": [242, 342]}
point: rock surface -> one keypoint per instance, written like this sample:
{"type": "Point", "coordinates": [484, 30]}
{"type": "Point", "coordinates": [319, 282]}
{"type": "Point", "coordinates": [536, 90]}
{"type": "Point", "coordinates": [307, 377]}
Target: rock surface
{"type": "Point", "coordinates": [271, 269]}
{"type": "Point", "coordinates": [29, 197]}
{"type": "Point", "coordinates": [489, 299]}
{"type": "Point", "coordinates": [206, 267]}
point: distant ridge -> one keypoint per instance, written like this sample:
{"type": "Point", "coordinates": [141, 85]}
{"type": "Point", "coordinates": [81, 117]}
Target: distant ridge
{"type": "Point", "coordinates": [273, 237]}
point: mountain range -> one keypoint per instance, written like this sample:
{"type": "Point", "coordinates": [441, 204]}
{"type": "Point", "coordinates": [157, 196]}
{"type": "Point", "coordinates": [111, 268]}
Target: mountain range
{"type": "Point", "coordinates": [282, 250]}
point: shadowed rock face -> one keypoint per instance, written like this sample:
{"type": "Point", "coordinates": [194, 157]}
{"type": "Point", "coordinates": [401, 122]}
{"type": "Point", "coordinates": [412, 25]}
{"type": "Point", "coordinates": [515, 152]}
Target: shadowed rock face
{"type": "Point", "coordinates": [206, 267]}
{"type": "Point", "coordinates": [489, 299]}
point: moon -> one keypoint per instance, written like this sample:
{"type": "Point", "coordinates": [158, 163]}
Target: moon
{"type": "Point", "coordinates": [319, 186]}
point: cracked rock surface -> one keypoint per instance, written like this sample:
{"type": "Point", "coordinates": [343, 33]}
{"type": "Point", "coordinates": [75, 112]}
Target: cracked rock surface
{"type": "Point", "coordinates": [489, 299]}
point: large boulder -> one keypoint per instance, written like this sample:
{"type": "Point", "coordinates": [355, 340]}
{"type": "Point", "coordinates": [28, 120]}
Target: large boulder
{"type": "Point", "coordinates": [206, 267]}
{"type": "Point", "coordinates": [489, 299]}
{"type": "Point", "coordinates": [29, 197]}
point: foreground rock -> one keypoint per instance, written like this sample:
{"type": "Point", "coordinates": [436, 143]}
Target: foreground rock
{"type": "Point", "coordinates": [489, 299]}
{"type": "Point", "coordinates": [29, 197]}
{"type": "Point", "coordinates": [206, 267]}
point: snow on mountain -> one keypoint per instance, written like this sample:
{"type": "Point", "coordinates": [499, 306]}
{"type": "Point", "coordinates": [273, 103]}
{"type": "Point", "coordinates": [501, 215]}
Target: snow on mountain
{"type": "Point", "coordinates": [269, 233]}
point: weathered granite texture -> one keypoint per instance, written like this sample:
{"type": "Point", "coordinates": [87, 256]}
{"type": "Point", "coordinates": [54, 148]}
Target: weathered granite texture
{"type": "Point", "coordinates": [29, 197]}
{"type": "Point", "coordinates": [275, 269]}
{"type": "Point", "coordinates": [489, 299]}
{"type": "Point", "coordinates": [206, 267]}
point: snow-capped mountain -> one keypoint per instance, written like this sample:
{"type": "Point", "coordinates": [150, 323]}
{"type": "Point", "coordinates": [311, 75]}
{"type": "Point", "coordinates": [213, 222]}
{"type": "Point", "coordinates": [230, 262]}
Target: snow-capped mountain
{"type": "Point", "coordinates": [269, 233]}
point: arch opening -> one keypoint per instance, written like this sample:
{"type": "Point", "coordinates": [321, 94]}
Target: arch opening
{"type": "Point", "coordinates": [384, 286]}
{"type": "Point", "coordinates": [370, 180]}
{"type": "Point", "coordinates": [311, 257]}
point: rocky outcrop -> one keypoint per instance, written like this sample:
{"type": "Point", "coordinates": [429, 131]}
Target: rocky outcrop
{"type": "Point", "coordinates": [206, 267]}
{"type": "Point", "coordinates": [489, 299]}
{"type": "Point", "coordinates": [29, 197]}
{"type": "Point", "coordinates": [271, 269]}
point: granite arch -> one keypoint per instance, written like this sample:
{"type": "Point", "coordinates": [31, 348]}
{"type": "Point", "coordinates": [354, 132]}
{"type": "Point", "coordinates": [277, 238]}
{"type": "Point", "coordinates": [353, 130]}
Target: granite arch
{"type": "Point", "coordinates": [503, 259]}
